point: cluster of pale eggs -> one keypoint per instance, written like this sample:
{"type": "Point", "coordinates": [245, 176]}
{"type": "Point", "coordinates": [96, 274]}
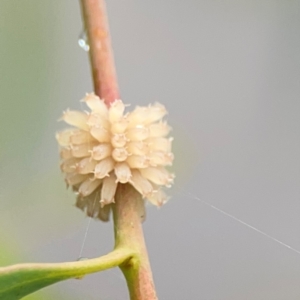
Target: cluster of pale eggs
{"type": "Point", "coordinates": [107, 147]}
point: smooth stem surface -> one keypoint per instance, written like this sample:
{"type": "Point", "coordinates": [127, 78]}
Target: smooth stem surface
{"type": "Point", "coordinates": [128, 215]}
{"type": "Point", "coordinates": [20, 280]}
{"type": "Point", "coordinates": [101, 55]}
{"type": "Point", "coordinates": [73, 269]}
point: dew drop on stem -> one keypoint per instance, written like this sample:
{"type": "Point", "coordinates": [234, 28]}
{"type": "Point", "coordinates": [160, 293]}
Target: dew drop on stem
{"type": "Point", "coordinates": [83, 41]}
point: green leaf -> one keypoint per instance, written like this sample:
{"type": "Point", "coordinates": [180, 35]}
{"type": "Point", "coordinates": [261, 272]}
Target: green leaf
{"type": "Point", "coordinates": [20, 280]}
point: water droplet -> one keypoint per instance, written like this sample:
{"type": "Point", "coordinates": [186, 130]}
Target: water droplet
{"type": "Point", "coordinates": [83, 41]}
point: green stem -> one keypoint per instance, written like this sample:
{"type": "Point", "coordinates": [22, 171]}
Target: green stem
{"type": "Point", "coordinates": [128, 216]}
{"type": "Point", "coordinates": [23, 279]}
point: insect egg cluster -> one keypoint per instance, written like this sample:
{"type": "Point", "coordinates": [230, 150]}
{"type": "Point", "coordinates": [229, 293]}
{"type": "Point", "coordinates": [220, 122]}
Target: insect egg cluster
{"type": "Point", "coordinates": [107, 147]}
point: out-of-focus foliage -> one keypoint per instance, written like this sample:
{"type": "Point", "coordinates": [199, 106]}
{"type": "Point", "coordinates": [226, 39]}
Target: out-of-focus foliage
{"type": "Point", "coordinates": [25, 56]}
{"type": "Point", "coordinates": [9, 253]}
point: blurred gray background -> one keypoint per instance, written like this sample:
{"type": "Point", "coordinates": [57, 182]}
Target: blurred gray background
{"type": "Point", "coordinates": [229, 74]}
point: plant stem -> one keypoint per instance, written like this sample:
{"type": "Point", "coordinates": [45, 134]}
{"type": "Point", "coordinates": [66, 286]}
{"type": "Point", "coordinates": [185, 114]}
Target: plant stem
{"type": "Point", "coordinates": [72, 269]}
{"type": "Point", "coordinates": [101, 55]}
{"type": "Point", "coordinates": [128, 215]}
{"type": "Point", "coordinates": [23, 279]}
{"type": "Point", "coordinates": [128, 210]}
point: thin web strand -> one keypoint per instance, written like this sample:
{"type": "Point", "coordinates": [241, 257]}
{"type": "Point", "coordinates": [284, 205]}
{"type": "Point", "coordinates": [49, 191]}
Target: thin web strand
{"type": "Point", "coordinates": [86, 231]}
{"type": "Point", "coordinates": [246, 224]}
{"type": "Point", "coordinates": [85, 236]}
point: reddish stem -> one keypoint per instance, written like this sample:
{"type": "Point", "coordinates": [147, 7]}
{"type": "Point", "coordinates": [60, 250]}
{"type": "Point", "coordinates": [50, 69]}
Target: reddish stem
{"type": "Point", "coordinates": [129, 205]}
{"type": "Point", "coordinates": [101, 55]}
